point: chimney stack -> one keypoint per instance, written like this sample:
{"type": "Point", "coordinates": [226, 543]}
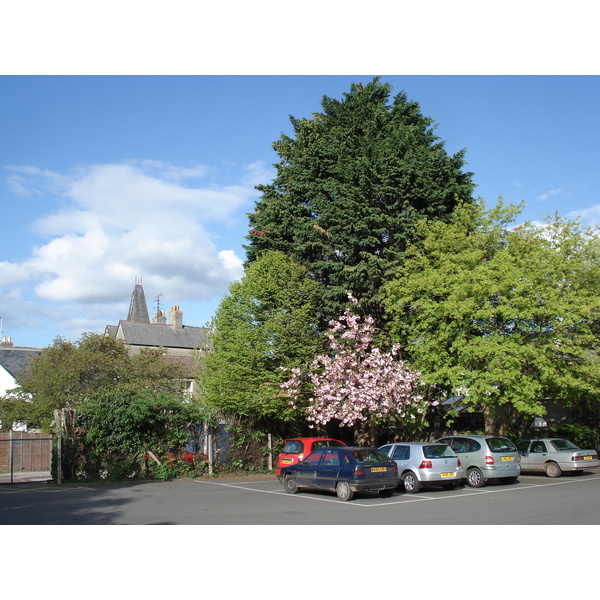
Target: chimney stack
{"type": "Point", "coordinates": [176, 318]}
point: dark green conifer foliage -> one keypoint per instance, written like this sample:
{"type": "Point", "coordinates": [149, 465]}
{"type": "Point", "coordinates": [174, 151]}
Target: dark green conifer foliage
{"type": "Point", "coordinates": [350, 185]}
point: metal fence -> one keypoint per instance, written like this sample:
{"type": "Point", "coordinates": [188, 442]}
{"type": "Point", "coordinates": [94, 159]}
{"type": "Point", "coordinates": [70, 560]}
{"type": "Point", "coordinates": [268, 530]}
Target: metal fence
{"type": "Point", "coordinates": [25, 457]}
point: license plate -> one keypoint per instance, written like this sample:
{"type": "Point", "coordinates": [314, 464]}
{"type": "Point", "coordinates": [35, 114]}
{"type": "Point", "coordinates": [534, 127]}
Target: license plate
{"type": "Point", "coordinates": [448, 474]}
{"type": "Point", "coordinates": [286, 461]}
{"type": "Point", "coordinates": [587, 458]}
{"type": "Point", "coordinates": [378, 469]}
{"type": "Point", "coordinates": [507, 458]}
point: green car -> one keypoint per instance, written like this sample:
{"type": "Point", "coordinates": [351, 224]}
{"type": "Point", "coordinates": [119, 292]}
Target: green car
{"type": "Point", "coordinates": [485, 457]}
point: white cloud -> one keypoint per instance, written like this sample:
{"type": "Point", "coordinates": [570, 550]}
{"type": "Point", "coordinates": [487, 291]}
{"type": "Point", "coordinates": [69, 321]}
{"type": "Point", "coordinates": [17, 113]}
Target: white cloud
{"type": "Point", "coordinates": [115, 222]}
{"type": "Point", "coordinates": [588, 216]}
{"type": "Point", "coordinates": [549, 194]}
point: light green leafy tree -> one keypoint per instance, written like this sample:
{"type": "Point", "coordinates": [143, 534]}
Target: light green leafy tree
{"type": "Point", "coordinates": [67, 372]}
{"type": "Point", "coordinates": [503, 315]}
{"type": "Point", "coordinates": [264, 325]}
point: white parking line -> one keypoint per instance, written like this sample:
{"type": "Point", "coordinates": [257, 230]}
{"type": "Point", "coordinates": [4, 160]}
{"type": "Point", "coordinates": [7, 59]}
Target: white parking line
{"type": "Point", "coordinates": [404, 499]}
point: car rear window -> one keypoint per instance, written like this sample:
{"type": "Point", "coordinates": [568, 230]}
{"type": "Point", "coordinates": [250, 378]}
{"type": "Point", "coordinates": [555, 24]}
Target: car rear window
{"type": "Point", "coordinates": [437, 451]}
{"type": "Point", "coordinates": [500, 444]}
{"type": "Point", "coordinates": [564, 445]}
{"type": "Point", "coordinates": [293, 447]}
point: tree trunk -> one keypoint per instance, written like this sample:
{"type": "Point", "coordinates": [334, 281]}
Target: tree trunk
{"type": "Point", "coordinates": [365, 433]}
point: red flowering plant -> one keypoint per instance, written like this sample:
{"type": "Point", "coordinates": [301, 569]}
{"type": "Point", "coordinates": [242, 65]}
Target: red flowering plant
{"type": "Point", "coordinates": [358, 384]}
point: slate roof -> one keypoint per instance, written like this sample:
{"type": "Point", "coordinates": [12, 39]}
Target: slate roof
{"type": "Point", "coordinates": [17, 359]}
{"type": "Point", "coordinates": [165, 336]}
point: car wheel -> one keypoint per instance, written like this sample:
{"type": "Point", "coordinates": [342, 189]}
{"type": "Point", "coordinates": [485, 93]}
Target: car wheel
{"type": "Point", "coordinates": [289, 483]}
{"type": "Point", "coordinates": [343, 491]}
{"type": "Point", "coordinates": [553, 470]}
{"type": "Point", "coordinates": [411, 482]}
{"type": "Point", "coordinates": [386, 493]}
{"type": "Point", "coordinates": [475, 478]}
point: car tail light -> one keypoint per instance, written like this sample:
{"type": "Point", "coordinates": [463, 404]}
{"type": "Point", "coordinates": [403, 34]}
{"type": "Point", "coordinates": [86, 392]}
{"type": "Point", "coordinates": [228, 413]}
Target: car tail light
{"type": "Point", "coordinates": [300, 457]}
{"type": "Point", "coordinates": [489, 460]}
{"type": "Point", "coordinates": [359, 471]}
{"type": "Point", "coordinates": [395, 467]}
{"type": "Point", "coordinates": [458, 462]}
{"type": "Point", "coordinates": [519, 458]}
{"type": "Point", "coordinates": [426, 464]}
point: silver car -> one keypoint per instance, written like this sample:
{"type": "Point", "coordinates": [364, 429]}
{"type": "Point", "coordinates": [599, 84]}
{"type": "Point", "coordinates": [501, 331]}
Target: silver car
{"type": "Point", "coordinates": [555, 455]}
{"type": "Point", "coordinates": [485, 457]}
{"type": "Point", "coordinates": [423, 464]}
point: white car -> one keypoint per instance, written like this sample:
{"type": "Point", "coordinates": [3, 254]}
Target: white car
{"type": "Point", "coordinates": [555, 455]}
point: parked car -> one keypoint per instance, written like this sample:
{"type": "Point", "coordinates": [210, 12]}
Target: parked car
{"type": "Point", "coordinates": [423, 464]}
{"type": "Point", "coordinates": [294, 450]}
{"type": "Point", "coordinates": [485, 457]}
{"type": "Point", "coordinates": [555, 455]}
{"type": "Point", "coordinates": [343, 470]}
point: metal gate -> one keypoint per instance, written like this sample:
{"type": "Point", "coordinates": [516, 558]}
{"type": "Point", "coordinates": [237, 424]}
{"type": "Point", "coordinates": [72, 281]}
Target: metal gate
{"type": "Point", "coordinates": [25, 457]}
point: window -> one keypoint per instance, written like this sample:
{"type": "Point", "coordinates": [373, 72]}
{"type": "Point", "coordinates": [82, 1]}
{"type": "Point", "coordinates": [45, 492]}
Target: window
{"type": "Point", "coordinates": [401, 453]}
{"type": "Point", "coordinates": [314, 458]}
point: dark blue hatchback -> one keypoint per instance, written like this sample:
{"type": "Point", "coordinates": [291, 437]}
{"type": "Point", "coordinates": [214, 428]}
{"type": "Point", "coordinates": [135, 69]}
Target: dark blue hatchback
{"type": "Point", "coordinates": [344, 471]}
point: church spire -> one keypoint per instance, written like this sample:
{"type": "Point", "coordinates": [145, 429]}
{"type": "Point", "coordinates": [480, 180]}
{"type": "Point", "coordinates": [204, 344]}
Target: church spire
{"type": "Point", "coordinates": [138, 310]}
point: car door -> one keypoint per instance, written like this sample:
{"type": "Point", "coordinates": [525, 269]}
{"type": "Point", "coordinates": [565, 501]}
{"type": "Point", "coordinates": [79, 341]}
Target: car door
{"type": "Point", "coordinates": [523, 448]}
{"type": "Point", "coordinates": [307, 469]}
{"type": "Point", "coordinates": [538, 455]}
{"type": "Point", "coordinates": [401, 456]}
{"type": "Point", "coordinates": [328, 469]}
{"type": "Point", "coordinates": [463, 449]}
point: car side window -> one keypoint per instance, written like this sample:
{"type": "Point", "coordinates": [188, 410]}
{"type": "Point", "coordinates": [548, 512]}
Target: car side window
{"type": "Point", "coordinates": [522, 447]}
{"type": "Point", "coordinates": [459, 445]}
{"type": "Point", "coordinates": [331, 459]}
{"type": "Point", "coordinates": [538, 447]}
{"type": "Point", "coordinates": [314, 458]}
{"type": "Point", "coordinates": [401, 453]}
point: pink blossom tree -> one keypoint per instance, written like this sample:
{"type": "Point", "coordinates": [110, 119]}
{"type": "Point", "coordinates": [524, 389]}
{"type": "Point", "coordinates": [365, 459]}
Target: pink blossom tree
{"type": "Point", "coordinates": [357, 383]}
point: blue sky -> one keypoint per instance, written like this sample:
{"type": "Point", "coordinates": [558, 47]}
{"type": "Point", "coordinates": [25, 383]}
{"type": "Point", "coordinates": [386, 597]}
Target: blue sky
{"type": "Point", "coordinates": [104, 179]}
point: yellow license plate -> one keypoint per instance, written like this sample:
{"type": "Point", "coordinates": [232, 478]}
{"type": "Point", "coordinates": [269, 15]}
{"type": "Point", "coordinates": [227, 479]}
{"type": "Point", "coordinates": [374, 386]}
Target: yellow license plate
{"type": "Point", "coordinates": [507, 458]}
{"type": "Point", "coordinates": [448, 474]}
{"type": "Point", "coordinates": [378, 469]}
{"type": "Point", "coordinates": [587, 458]}
{"type": "Point", "coordinates": [286, 461]}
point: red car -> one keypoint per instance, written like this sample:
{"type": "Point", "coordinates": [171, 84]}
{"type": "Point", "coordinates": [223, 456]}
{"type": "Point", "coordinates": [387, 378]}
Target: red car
{"type": "Point", "coordinates": [294, 450]}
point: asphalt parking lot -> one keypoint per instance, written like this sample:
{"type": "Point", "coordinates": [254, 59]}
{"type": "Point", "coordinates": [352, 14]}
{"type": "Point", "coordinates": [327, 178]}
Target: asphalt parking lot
{"type": "Point", "coordinates": [536, 499]}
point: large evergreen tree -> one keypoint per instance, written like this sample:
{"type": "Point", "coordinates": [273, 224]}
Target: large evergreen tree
{"type": "Point", "coordinates": [350, 186]}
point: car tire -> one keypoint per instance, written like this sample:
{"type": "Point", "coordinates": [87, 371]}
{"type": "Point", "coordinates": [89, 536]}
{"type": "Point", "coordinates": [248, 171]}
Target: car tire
{"type": "Point", "coordinates": [289, 483]}
{"type": "Point", "coordinates": [475, 478]}
{"type": "Point", "coordinates": [343, 491]}
{"type": "Point", "coordinates": [552, 469]}
{"type": "Point", "coordinates": [386, 493]}
{"type": "Point", "coordinates": [411, 483]}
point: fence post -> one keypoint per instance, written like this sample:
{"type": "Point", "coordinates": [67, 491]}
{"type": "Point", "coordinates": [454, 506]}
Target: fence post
{"type": "Point", "coordinates": [10, 454]}
{"type": "Point", "coordinates": [270, 452]}
{"type": "Point", "coordinates": [58, 417]}
{"type": "Point", "coordinates": [210, 453]}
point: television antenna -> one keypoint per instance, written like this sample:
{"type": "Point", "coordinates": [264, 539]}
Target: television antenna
{"type": "Point", "coordinates": [157, 300]}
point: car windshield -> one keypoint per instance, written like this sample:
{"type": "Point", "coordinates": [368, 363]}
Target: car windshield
{"type": "Point", "coordinates": [437, 451]}
{"type": "Point", "coordinates": [564, 445]}
{"type": "Point", "coordinates": [500, 444]}
{"type": "Point", "coordinates": [370, 456]}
